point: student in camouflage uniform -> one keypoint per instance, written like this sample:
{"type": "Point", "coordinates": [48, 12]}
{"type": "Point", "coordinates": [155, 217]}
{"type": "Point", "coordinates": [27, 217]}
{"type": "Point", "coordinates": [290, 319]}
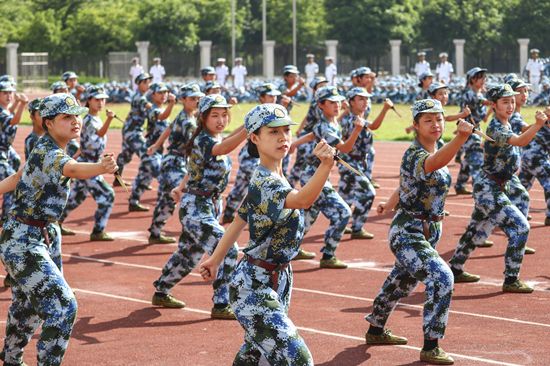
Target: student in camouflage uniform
{"type": "Point", "coordinates": [470, 164]}
{"type": "Point", "coordinates": [535, 157]}
{"type": "Point", "coordinates": [200, 206]}
{"type": "Point", "coordinates": [8, 128]}
{"type": "Point", "coordinates": [500, 199]}
{"type": "Point", "coordinates": [247, 164]}
{"type": "Point", "coordinates": [59, 87]}
{"type": "Point", "coordinates": [415, 231]}
{"type": "Point", "coordinates": [174, 163]}
{"type": "Point", "coordinates": [133, 141]}
{"type": "Point", "coordinates": [40, 294]}
{"type": "Point", "coordinates": [424, 81]}
{"type": "Point", "coordinates": [37, 129]}
{"type": "Point", "coordinates": [157, 123]}
{"type": "Point", "coordinates": [261, 285]}
{"type": "Point", "coordinates": [330, 203]}
{"type": "Point", "coordinates": [93, 141]}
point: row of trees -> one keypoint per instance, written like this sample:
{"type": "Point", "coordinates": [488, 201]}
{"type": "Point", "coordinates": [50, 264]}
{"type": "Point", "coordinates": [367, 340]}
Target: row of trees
{"type": "Point", "coordinates": [82, 28]}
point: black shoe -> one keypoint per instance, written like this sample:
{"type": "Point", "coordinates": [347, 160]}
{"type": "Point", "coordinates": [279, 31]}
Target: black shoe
{"type": "Point", "coordinates": [138, 208]}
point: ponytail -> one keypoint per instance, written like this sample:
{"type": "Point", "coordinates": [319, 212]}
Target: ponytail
{"type": "Point", "coordinates": [200, 126]}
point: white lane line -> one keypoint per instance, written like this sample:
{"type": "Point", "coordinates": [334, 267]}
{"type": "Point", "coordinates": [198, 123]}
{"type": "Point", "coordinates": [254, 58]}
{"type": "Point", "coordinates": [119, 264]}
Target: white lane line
{"type": "Point", "coordinates": [305, 329]}
{"type": "Point", "coordinates": [324, 293]}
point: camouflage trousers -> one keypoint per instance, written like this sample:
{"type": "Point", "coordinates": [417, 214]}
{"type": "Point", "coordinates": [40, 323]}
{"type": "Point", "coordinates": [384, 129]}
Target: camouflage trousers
{"type": "Point", "coordinates": [240, 188]}
{"type": "Point", "coordinates": [14, 158]}
{"type": "Point", "coordinates": [263, 314]}
{"type": "Point", "coordinates": [201, 232]}
{"type": "Point", "coordinates": [103, 194]}
{"type": "Point", "coordinates": [416, 261]}
{"type": "Point", "coordinates": [471, 162]}
{"type": "Point", "coordinates": [173, 170]}
{"type": "Point", "coordinates": [493, 207]}
{"type": "Point", "coordinates": [358, 192]}
{"type": "Point", "coordinates": [133, 142]}
{"type": "Point", "coordinates": [333, 208]}
{"type": "Point", "coordinates": [536, 165]}
{"type": "Point", "coordinates": [302, 152]}
{"type": "Point", "coordinates": [6, 170]}
{"type": "Point", "coordinates": [149, 168]}
{"type": "Point", "coordinates": [40, 294]}
{"type": "Point", "coordinates": [370, 162]}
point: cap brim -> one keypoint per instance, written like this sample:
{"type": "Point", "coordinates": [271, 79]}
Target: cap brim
{"type": "Point", "coordinates": [281, 122]}
{"type": "Point", "coordinates": [11, 89]}
{"type": "Point", "coordinates": [194, 94]}
{"type": "Point", "coordinates": [273, 93]}
{"type": "Point", "coordinates": [335, 98]}
{"type": "Point", "coordinates": [100, 96]}
{"type": "Point", "coordinates": [431, 110]}
{"type": "Point", "coordinates": [76, 110]}
{"type": "Point", "coordinates": [221, 105]}
{"type": "Point", "coordinates": [367, 95]}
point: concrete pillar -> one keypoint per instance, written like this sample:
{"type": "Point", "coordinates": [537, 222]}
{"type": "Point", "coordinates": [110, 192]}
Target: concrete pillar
{"type": "Point", "coordinates": [332, 51]}
{"type": "Point", "coordinates": [206, 46]}
{"type": "Point", "coordinates": [459, 56]}
{"type": "Point", "coordinates": [143, 51]}
{"type": "Point", "coordinates": [395, 56]}
{"type": "Point", "coordinates": [11, 59]}
{"type": "Point", "coordinates": [269, 59]}
{"type": "Point", "coordinates": [523, 52]}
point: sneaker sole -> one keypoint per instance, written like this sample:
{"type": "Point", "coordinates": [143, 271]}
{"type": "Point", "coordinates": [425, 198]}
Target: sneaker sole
{"type": "Point", "coordinates": [518, 291]}
{"type": "Point", "coordinates": [223, 317]}
{"type": "Point", "coordinates": [333, 267]}
{"type": "Point", "coordinates": [168, 306]}
{"type": "Point", "coordinates": [468, 281]}
{"type": "Point", "coordinates": [437, 362]}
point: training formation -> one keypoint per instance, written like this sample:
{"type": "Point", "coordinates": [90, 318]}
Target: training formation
{"type": "Point", "coordinates": [287, 173]}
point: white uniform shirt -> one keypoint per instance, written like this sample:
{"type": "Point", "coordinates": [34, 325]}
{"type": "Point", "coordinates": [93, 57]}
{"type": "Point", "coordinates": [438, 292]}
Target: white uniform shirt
{"type": "Point", "coordinates": [134, 72]}
{"type": "Point", "coordinates": [535, 68]}
{"type": "Point", "coordinates": [312, 69]}
{"type": "Point", "coordinates": [421, 67]}
{"type": "Point", "coordinates": [221, 74]}
{"type": "Point", "coordinates": [157, 71]}
{"type": "Point", "coordinates": [330, 74]}
{"type": "Point", "coordinates": [444, 71]}
{"type": "Point", "coordinates": [238, 72]}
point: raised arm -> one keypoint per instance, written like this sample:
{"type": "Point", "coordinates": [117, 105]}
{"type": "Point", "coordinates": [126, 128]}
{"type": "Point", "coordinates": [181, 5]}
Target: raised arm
{"type": "Point", "coordinates": [444, 155]}
{"type": "Point", "coordinates": [168, 110]}
{"type": "Point", "coordinates": [530, 132]}
{"type": "Point", "coordinates": [103, 130]}
{"type": "Point", "coordinates": [346, 146]}
{"type": "Point", "coordinates": [230, 143]}
{"type": "Point", "coordinates": [388, 104]}
{"type": "Point", "coordinates": [88, 170]}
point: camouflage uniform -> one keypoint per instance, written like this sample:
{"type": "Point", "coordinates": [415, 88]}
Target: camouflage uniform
{"type": "Point", "coordinates": [329, 202]}
{"type": "Point", "coordinates": [7, 135]}
{"type": "Point", "coordinates": [30, 142]}
{"type": "Point", "coordinates": [503, 205]}
{"type": "Point", "coordinates": [149, 166]}
{"type": "Point", "coordinates": [473, 153]}
{"type": "Point", "coordinates": [535, 158]}
{"type": "Point", "coordinates": [173, 170]}
{"type": "Point", "coordinates": [72, 147]}
{"type": "Point", "coordinates": [40, 292]}
{"type": "Point", "coordinates": [356, 190]}
{"type": "Point", "coordinates": [260, 305]}
{"type": "Point", "coordinates": [92, 147]}
{"type": "Point", "coordinates": [133, 141]}
{"type": "Point", "coordinates": [420, 194]}
{"type": "Point", "coordinates": [200, 209]}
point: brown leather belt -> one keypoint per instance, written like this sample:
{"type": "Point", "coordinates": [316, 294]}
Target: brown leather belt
{"type": "Point", "coordinates": [42, 225]}
{"type": "Point", "coordinates": [208, 194]}
{"type": "Point", "coordinates": [271, 267]}
{"type": "Point", "coordinates": [501, 182]}
{"type": "Point", "coordinates": [426, 219]}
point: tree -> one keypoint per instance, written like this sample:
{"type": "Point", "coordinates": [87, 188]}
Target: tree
{"type": "Point", "coordinates": [527, 19]}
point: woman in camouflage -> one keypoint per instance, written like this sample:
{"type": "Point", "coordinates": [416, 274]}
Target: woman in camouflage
{"type": "Point", "coordinates": [261, 285]}
{"type": "Point", "coordinates": [200, 207]}
{"type": "Point", "coordinates": [415, 231]}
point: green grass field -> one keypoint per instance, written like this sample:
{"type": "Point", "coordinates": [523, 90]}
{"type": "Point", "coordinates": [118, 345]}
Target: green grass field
{"type": "Point", "coordinates": [392, 129]}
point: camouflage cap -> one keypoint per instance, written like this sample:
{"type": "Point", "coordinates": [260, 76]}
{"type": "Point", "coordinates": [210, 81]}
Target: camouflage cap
{"type": "Point", "coordinates": [34, 105]}
{"type": "Point", "coordinates": [212, 84]}
{"type": "Point", "coordinates": [96, 91]}
{"type": "Point", "coordinates": [353, 92]}
{"type": "Point", "coordinates": [190, 90]}
{"type": "Point", "coordinates": [6, 86]}
{"type": "Point", "coordinates": [435, 86]}
{"type": "Point", "coordinates": [268, 89]}
{"type": "Point", "coordinates": [517, 83]}
{"type": "Point", "coordinates": [208, 70]}
{"type": "Point", "coordinates": [158, 88]}
{"type": "Point", "coordinates": [69, 75]}
{"type": "Point", "coordinates": [55, 104]}
{"type": "Point", "coordinates": [500, 91]}
{"type": "Point", "coordinates": [212, 101]}
{"type": "Point", "coordinates": [425, 75]}
{"type": "Point", "coordinates": [7, 78]}
{"type": "Point", "coordinates": [426, 106]}
{"type": "Point", "coordinates": [271, 115]}
{"type": "Point", "coordinates": [143, 76]}
{"type": "Point", "coordinates": [316, 81]}
{"type": "Point", "coordinates": [290, 69]}
{"type": "Point", "coordinates": [58, 85]}
{"type": "Point", "coordinates": [353, 73]}
{"type": "Point", "coordinates": [328, 93]}
{"type": "Point", "coordinates": [473, 71]}
{"type": "Point", "coordinates": [363, 70]}
{"type": "Point", "coordinates": [510, 76]}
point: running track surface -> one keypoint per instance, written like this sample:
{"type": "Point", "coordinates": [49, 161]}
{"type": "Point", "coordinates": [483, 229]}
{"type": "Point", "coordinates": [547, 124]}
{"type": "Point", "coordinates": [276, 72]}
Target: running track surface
{"type": "Point", "coordinates": [117, 325]}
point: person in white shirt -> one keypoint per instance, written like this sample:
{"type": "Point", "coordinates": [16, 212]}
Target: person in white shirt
{"type": "Point", "coordinates": [157, 71]}
{"type": "Point", "coordinates": [444, 69]}
{"type": "Point", "coordinates": [422, 66]}
{"type": "Point", "coordinates": [222, 71]}
{"type": "Point", "coordinates": [330, 71]}
{"type": "Point", "coordinates": [312, 69]}
{"type": "Point", "coordinates": [135, 70]}
{"type": "Point", "coordinates": [239, 73]}
{"type": "Point", "coordinates": [534, 69]}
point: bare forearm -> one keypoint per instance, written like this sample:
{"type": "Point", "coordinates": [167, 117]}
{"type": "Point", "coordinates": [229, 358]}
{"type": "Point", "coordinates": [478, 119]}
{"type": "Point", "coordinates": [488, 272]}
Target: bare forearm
{"type": "Point", "coordinates": [348, 145]}
{"type": "Point", "coordinates": [229, 143]}
{"type": "Point", "coordinates": [379, 119]}
{"type": "Point", "coordinates": [83, 170]}
{"type": "Point", "coordinates": [444, 155]}
{"type": "Point", "coordinates": [393, 200]}
{"type": "Point", "coordinates": [228, 239]}
{"type": "Point", "coordinates": [525, 137]}
{"type": "Point", "coordinates": [166, 112]}
{"type": "Point", "coordinates": [9, 184]}
{"type": "Point", "coordinates": [103, 130]}
{"type": "Point", "coordinates": [307, 195]}
{"type": "Point", "coordinates": [18, 114]}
